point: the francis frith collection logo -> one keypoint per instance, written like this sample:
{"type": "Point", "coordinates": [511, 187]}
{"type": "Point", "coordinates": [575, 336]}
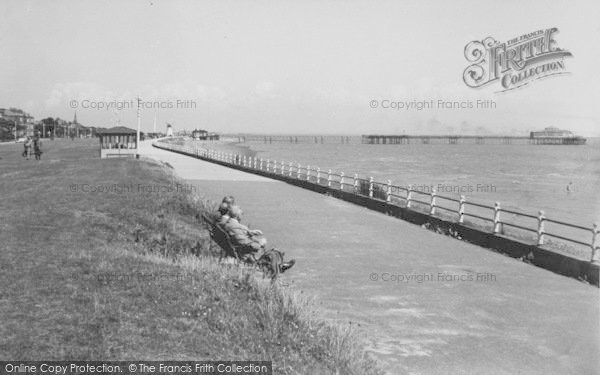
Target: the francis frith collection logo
{"type": "Point", "coordinates": [514, 63]}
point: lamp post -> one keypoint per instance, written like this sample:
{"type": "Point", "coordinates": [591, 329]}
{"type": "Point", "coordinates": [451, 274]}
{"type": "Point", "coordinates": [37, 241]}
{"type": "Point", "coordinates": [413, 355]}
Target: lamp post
{"type": "Point", "coordinates": [137, 136]}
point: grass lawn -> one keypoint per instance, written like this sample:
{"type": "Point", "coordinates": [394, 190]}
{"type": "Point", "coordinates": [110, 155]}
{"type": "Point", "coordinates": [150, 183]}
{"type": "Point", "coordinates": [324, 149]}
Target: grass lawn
{"type": "Point", "coordinates": [108, 260]}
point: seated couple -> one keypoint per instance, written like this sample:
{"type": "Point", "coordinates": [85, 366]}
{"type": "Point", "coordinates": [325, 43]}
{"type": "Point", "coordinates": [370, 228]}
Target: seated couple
{"type": "Point", "coordinates": [251, 242]}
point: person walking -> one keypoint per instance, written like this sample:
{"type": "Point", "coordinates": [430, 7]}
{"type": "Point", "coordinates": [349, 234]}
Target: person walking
{"type": "Point", "coordinates": [28, 143]}
{"type": "Point", "coordinates": [37, 148]}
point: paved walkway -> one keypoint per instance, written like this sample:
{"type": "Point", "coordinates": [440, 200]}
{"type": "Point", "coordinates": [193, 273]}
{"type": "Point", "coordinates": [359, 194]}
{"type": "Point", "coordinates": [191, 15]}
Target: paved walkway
{"type": "Point", "coordinates": [455, 309]}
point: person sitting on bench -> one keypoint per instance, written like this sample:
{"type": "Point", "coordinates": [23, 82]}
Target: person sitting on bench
{"type": "Point", "coordinates": [223, 209]}
{"type": "Point", "coordinates": [252, 242]}
{"type": "Point", "coordinates": [240, 234]}
{"type": "Point", "coordinates": [224, 214]}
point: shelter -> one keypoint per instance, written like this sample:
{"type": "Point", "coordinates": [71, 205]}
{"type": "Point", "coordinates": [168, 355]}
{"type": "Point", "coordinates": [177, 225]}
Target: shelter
{"type": "Point", "coordinates": [117, 142]}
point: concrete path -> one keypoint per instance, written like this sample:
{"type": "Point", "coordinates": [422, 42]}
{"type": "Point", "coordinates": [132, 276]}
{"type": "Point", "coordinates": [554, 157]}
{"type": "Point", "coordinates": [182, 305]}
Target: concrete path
{"type": "Point", "coordinates": [425, 303]}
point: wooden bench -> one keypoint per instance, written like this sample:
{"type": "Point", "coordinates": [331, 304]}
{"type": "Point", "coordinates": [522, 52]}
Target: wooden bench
{"type": "Point", "coordinates": [221, 238]}
{"type": "Point", "coordinates": [218, 235]}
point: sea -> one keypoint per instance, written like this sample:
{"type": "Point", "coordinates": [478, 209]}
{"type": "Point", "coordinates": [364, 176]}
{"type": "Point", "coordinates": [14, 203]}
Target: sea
{"type": "Point", "coordinates": [563, 181]}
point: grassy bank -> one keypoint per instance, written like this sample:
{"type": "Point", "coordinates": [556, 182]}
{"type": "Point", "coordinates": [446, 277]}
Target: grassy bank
{"type": "Point", "coordinates": [107, 259]}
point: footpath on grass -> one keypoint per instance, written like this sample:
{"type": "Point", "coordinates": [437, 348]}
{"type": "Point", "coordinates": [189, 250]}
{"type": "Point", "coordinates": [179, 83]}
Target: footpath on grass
{"type": "Point", "coordinates": [425, 303]}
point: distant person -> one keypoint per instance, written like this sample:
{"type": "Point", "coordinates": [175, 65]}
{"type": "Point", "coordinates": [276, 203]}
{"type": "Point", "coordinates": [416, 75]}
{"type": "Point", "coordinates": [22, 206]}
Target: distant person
{"type": "Point", "coordinates": [28, 144]}
{"type": "Point", "coordinates": [570, 187]}
{"type": "Point", "coordinates": [37, 148]}
{"type": "Point", "coordinates": [24, 154]}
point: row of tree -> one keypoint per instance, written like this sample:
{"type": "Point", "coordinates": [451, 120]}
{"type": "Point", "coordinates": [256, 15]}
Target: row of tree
{"type": "Point", "coordinates": [54, 126]}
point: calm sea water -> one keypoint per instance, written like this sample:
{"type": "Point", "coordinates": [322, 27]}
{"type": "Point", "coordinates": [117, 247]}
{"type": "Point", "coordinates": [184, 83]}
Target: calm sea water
{"type": "Point", "coordinates": [527, 178]}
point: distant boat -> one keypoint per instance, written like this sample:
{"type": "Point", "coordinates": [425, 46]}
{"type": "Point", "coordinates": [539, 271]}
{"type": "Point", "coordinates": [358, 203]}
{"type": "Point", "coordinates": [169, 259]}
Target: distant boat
{"type": "Point", "coordinates": [554, 135]}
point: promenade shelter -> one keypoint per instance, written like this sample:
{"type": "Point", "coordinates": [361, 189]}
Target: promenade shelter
{"type": "Point", "coordinates": [117, 142]}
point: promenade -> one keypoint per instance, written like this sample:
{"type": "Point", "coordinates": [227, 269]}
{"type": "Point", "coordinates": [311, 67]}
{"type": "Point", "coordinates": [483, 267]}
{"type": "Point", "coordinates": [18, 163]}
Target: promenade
{"type": "Point", "coordinates": [424, 303]}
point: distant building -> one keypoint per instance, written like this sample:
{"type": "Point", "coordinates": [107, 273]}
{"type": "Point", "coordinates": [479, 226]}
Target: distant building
{"type": "Point", "coordinates": [22, 120]}
{"type": "Point", "coordinates": [199, 134]}
{"type": "Point", "coordinates": [18, 116]}
{"type": "Point", "coordinates": [552, 135]}
{"type": "Point", "coordinates": [551, 131]}
{"type": "Point", "coordinates": [203, 135]}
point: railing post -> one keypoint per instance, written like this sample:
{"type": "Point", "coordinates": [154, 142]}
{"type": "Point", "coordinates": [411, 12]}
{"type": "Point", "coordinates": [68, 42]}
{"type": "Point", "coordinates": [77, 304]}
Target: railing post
{"type": "Point", "coordinates": [497, 223]}
{"type": "Point", "coordinates": [342, 181]}
{"type": "Point", "coordinates": [409, 196]}
{"type": "Point", "coordinates": [461, 209]}
{"type": "Point", "coordinates": [370, 187]}
{"type": "Point", "coordinates": [268, 165]}
{"type": "Point", "coordinates": [290, 174]}
{"type": "Point", "coordinates": [318, 175]}
{"type": "Point", "coordinates": [308, 173]}
{"type": "Point", "coordinates": [282, 167]}
{"type": "Point", "coordinates": [432, 202]}
{"type": "Point", "coordinates": [255, 162]}
{"type": "Point", "coordinates": [355, 183]}
{"type": "Point", "coordinates": [388, 194]}
{"type": "Point", "coordinates": [595, 252]}
{"type": "Point", "coordinates": [329, 178]}
{"type": "Point", "coordinates": [540, 231]}
{"type": "Point", "coordinates": [261, 164]}
{"type": "Point", "coordinates": [298, 172]}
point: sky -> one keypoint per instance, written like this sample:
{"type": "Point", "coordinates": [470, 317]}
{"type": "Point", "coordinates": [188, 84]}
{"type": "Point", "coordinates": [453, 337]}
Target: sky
{"type": "Point", "coordinates": [291, 67]}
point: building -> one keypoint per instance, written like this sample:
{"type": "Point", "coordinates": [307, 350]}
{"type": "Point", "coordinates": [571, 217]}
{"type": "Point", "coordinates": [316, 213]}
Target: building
{"type": "Point", "coordinates": [203, 135]}
{"type": "Point", "coordinates": [18, 116]}
{"type": "Point", "coordinates": [200, 134]}
{"type": "Point", "coordinates": [552, 135]}
{"type": "Point", "coordinates": [117, 142]}
{"type": "Point", "coordinates": [21, 119]}
{"type": "Point", "coordinates": [551, 131]}
{"type": "Point", "coordinates": [169, 130]}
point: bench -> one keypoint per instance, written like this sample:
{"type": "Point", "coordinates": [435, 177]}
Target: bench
{"type": "Point", "coordinates": [269, 265]}
{"type": "Point", "coordinates": [221, 238]}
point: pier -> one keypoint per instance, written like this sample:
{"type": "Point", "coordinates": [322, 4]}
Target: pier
{"type": "Point", "coordinates": [294, 139]}
{"type": "Point", "coordinates": [375, 139]}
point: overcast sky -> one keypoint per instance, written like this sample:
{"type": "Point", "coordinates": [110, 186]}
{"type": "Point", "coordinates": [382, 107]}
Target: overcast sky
{"type": "Point", "coordinates": [291, 66]}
